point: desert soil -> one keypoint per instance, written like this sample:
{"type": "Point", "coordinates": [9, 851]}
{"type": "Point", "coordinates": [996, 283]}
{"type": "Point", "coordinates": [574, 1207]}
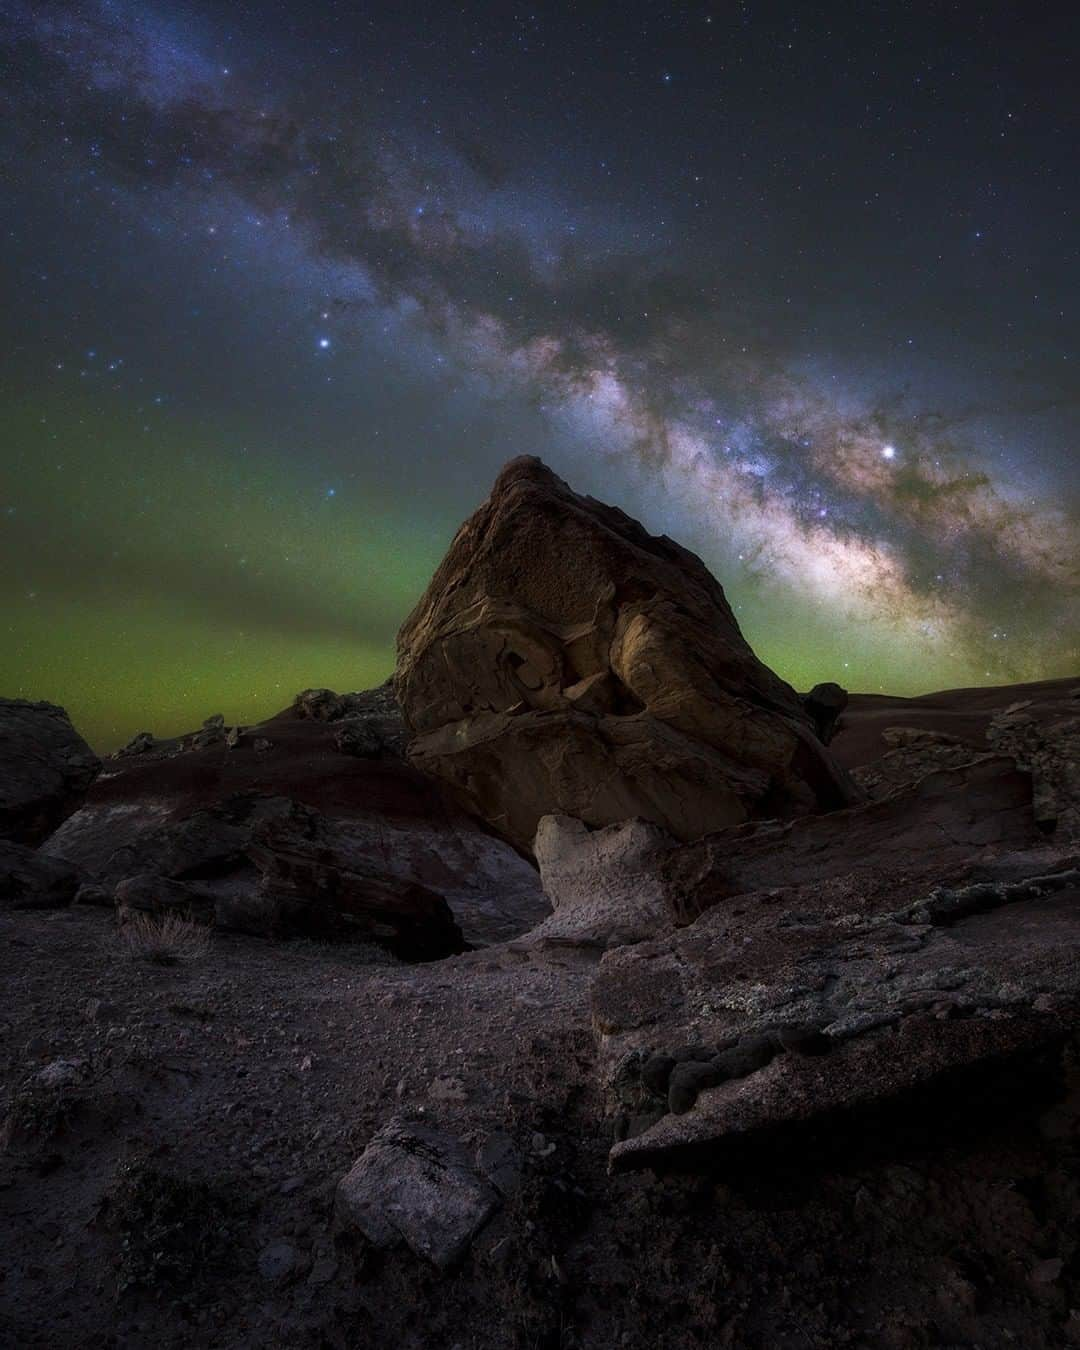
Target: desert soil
{"type": "Point", "coordinates": [171, 1180]}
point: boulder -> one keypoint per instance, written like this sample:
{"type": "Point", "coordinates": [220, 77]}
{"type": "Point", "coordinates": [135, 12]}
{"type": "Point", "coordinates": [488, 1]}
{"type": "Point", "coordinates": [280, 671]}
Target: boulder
{"type": "Point", "coordinates": [154, 894]}
{"type": "Point", "coordinates": [824, 703]}
{"type": "Point", "coordinates": [604, 885]}
{"type": "Point", "coordinates": [139, 744]}
{"type": "Point", "coordinates": [31, 880]}
{"type": "Point", "coordinates": [564, 661]}
{"type": "Point", "coordinates": [416, 1184]}
{"type": "Point", "coordinates": [46, 769]}
{"type": "Point", "coordinates": [306, 889]}
{"type": "Point", "coordinates": [212, 732]}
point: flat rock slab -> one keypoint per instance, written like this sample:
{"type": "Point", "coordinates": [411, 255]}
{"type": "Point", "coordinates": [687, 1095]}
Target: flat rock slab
{"type": "Point", "coordinates": [416, 1184]}
{"type": "Point", "coordinates": [192, 814]}
{"type": "Point", "coordinates": [897, 1001]}
{"type": "Point", "coordinates": [941, 822]}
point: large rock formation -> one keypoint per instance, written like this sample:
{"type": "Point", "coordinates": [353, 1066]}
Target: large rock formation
{"type": "Point", "coordinates": [45, 769]}
{"type": "Point", "coordinates": [308, 836]}
{"type": "Point", "coordinates": [563, 660]}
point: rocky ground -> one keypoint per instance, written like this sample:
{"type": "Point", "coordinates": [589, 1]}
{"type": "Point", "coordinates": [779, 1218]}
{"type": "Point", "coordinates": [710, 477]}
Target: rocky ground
{"type": "Point", "coordinates": [176, 1136]}
{"type": "Point", "coordinates": [587, 987]}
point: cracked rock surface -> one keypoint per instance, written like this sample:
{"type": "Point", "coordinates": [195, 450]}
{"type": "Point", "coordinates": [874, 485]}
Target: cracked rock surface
{"type": "Point", "coordinates": [565, 661]}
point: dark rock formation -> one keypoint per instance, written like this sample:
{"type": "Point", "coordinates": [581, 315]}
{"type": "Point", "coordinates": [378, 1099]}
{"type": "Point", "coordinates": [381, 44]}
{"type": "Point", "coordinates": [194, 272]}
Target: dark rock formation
{"type": "Point", "coordinates": [30, 880]}
{"type": "Point", "coordinates": [824, 703]}
{"type": "Point", "coordinates": [913, 753]}
{"type": "Point", "coordinates": [883, 1004]}
{"type": "Point", "coordinates": [155, 894]}
{"type": "Point", "coordinates": [139, 744]}
{"type": "Point", "coordinates": [564, 660]}
{"type": "Point", "coordinates": [947, 818]}
{"type": "Point", "coordinates": [1049, 748]}
{"type": "Point", "coordinates": [45, 769]}
{"type": "Point", "coordinates": [191, 816]}
{"type": "Point", "coordinates": [308, 888]}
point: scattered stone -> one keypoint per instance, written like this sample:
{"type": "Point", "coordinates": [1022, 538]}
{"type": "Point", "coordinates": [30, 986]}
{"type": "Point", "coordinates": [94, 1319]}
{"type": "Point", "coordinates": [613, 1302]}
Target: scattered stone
{"type": "Point", "coordinates": [448, 1089]}
{"type": "Point", "coordinates": [323, 1270]}
{"type": "Point", "coordinates": [498, 1159]}
{"type": "Point", "coordinates": [277, 1262]}
{"type": "Point", "coordinates": [322, 705]}
{"type": "Point", "coordinates": [1048, 1272]}
{"type": "Point", "coordinates": [416, 1184]}
{"type": "Point", "coordinates": [139, 744]}
{"type": "Point", "coordinates": [212, 733]}
{"type": "Point", "coordinates": [60, 1073]}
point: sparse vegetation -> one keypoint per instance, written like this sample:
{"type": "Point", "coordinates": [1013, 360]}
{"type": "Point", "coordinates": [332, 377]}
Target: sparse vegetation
{"type": "Point", "coordinates": [172, 1230]}
{"type": "Point", "coordinates": [166, 939]}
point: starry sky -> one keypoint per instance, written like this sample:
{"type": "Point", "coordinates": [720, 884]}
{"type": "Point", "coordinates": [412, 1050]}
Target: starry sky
{"type": "Point", "coordinates": [286, 283]}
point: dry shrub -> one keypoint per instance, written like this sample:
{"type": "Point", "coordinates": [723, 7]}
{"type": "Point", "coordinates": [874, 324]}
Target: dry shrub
{"type": "Point", "coordinates": [164, 939]}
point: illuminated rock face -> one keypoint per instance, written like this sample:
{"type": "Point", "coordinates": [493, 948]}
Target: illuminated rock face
{"type": "Point", "coordinates": [563, 660]}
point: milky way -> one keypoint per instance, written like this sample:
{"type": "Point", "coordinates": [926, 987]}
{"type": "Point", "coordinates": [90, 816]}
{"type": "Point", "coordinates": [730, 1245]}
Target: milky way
{"type": "Point", "coordinates": [290, 284]}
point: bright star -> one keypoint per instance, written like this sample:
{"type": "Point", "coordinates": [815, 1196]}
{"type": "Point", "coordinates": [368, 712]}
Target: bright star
{"type": "Point", "coordinates": [888, 452]}
{"type": "Point", "coordinates": [324, 342]}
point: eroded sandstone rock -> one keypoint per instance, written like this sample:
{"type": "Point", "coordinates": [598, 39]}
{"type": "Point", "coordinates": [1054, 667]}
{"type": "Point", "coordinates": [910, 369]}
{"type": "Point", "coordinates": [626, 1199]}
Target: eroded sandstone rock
{"type": "Point", "coordinates": [192, 818]}
{"type": "Point", "coordinates": [46, 769]}
{"type": "Point", "coordinates": [564, 661]}
{"type": "Point", "coordinates": [790, 1012]}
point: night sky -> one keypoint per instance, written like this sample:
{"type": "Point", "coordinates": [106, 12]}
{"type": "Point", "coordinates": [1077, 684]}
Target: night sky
{"type": "Point", "coordinates": [284, 285]}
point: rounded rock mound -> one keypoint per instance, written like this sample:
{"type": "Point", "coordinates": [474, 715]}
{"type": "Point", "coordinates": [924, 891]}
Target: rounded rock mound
{"type": "Point", "coordinates": [563, 660]}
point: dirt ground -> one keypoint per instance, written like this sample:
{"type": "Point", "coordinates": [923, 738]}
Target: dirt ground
{"type": "Point", "coordinates": [174, 1135]}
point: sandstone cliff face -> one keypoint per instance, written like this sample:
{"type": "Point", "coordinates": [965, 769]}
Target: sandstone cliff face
{"type": "Point", "coordinates": [563, 660]}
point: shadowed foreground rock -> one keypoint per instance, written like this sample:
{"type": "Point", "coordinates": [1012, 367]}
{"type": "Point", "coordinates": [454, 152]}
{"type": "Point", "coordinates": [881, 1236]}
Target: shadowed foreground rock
{"type": "Point", "coordinates": [563, 660]}
{"type": "Point", "coordinates": [418, 1185]}
{"type": "Point", "coordinates": [308, 837]}
{"type": "Point", "coordinates": [30, 880]}
{"type": "Point", "coordinates": [899, 1002]}
{"type": "Point", "coordinates": [45, 769]}
{"type": "Point", "coordinates": [810, 970]}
